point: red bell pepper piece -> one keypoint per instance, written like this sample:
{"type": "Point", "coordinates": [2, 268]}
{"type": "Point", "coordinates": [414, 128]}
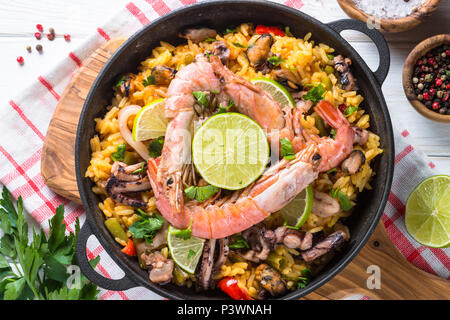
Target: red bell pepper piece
{"type": "Point", "coordinates": [260, 29]}
{"type": "Point", "coordinates": [129, 249]}
{"type": "Point", "coordinates": [230, 286]}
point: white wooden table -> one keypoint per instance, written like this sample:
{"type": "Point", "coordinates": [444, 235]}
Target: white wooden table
{"type": "Point", "coordinates": [81, 18]}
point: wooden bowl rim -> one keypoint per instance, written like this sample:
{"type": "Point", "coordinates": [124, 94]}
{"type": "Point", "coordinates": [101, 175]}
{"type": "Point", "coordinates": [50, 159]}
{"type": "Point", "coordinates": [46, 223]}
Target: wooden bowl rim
{"type": "Point", "coordinates": [408, 22]}
{"type": "Point", "coordinates": [417, 52]}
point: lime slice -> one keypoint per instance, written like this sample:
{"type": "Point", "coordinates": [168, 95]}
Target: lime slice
{"type": "Point", "coordinates": [427, 215]}
{"type": "Point", "coordinates": [230, 151]}
{"type": "Point", "coordinates": [185, 253]}
{"type": "Point", "coordinates": [297, 211]}
{"type": "Point", "coordinates": [278, 91]}
{"type": "Point", "coordinates": [150, 122]}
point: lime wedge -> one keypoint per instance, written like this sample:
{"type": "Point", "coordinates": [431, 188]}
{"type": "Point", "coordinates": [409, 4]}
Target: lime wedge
{"type": "Point", "coordinates": [150, 122]}
{"type": "Point", "coordinates": [427, 215]}
{"type": "Point", "coordinates": [297, 211]}
{"type": "Point", "coordinates": [230, 151]}
{"type": "Point", "coordinates": [185, 253]}
{"type": "Point", "coordinates": [278, 91]}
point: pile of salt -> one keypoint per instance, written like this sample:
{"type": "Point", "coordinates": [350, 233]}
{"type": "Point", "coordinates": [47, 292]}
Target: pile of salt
{"type": "Point", "coordinates": [389, 9]}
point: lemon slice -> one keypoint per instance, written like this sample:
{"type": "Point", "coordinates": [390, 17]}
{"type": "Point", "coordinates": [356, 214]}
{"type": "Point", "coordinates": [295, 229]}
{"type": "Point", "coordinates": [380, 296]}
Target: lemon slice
{"type": "Point", "coordinates": [297, 211]}
{"type": "Point", "coordinates": [150, 122]}
{"type": "Point", "coordinates": [185, 253]}
{"type": "Point", "coordinates": [278, 91]}
{"type": "Point", "coordinates": [427, 215]}
{"type": "Point", "coordinates": [230, 151]}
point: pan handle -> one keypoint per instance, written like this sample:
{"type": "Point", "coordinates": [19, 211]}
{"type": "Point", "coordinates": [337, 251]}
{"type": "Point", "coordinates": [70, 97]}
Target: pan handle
{"type": "Point", "coordinates": [376, 36]}
{"type": "Point", "coordinates": [105, 283]}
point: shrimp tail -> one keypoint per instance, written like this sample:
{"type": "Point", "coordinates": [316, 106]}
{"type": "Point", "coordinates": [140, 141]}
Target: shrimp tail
{"type": "Point", "coordinates": [330, 114]}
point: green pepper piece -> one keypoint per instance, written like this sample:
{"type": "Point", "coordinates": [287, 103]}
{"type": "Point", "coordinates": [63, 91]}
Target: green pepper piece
{"type": "Point", "coordinates": [320, 124]}
{"type": "Point", "coordinates": [113, 226]}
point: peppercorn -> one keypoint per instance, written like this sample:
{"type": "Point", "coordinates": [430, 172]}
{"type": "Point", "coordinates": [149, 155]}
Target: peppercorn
{"type": "Point", "coordinates": [51, 36]}
{"type": "Point", "coordinates": [29, 48]}
{"type": "Point", "coordinates": [39, 48]}
{"type": "Point", "coordinates": [67, 37]}
{"type": "Point", "coordinates": [420, 86]}
{"type": "Point", "coordinates": [40, 27]}
{"type": "Point", "coordinates": [426, 96]}
{"type": "Point", "coordinates": [435, 106]}
{"type": "Point", "coordinates": [20, 60]}
{"type": "Point", "coordinates": [415, 80]}
{"type": "Point", "coordinates": [420, 97]}
{"type": "Point", "coordinates": [38, 35]}
{"type": "Point", "coordinates": [439, 94]}
{"type": "Point", "coordinates": [428, 77]}
{"type": "Point", "coordinates": [51, 30]}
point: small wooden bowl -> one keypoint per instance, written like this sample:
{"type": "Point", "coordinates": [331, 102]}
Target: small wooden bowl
{"type": "Point", "coordinates": [420, 50]}
{"type": "Point", "coordinates": [390, 25]}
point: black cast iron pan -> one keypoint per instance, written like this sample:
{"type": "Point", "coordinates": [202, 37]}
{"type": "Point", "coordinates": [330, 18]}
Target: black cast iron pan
{"type": "Point", "coordinates": [220, 15]}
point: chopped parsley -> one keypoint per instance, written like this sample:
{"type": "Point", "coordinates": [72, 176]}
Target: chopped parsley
{"type": "Point", "coordinates": [149, 81]}
{"type": "Point", "coordinates": [139, 169]}
{"type": "Point", "coordinates": [119, 155]}
{"type": "Point", "coordinates": [191, 253]}
{"type": "Point", "coordinates": [315, 94]}
{"type": "Point", "coordinates": [333, 134]}
{"type": "Point", "coordinates": [224, 109]}
{"type": "Point", "coordinates": [286, 149]}
{"type": "Point", "coordinates": [184, 234]}
{"type": "Point", "coordinates": [119, 83]}
{"type": "Point", "coordinates": [155, 147]}
{"type": "Point", "coordinates": [344, 201]}
{"type": "Point", "coordinates": [330, 56]}
{"type": "Point", "coordinates": [201, 97]}
{"type": "Point", "coordinates": [331, 170]}
{"type": "Point", "coordinates": [304, 279]}
{"type": "Point", "coordinates": [275, 60]}
{"type": "Point", "coordinates": [146, 227]}
{"type": "Point", "coordinates": [201, 193]}
{"type": "Point", "coordinates": [230, 30]}
{"type": "Point", "coordinates": [210, 40]}
{"type": "Point", "coordinates": [350, 110]}
{"type": "Point", "coordinates": [239, 243]}
{"type": "Point", "coordinates": [237, 44]}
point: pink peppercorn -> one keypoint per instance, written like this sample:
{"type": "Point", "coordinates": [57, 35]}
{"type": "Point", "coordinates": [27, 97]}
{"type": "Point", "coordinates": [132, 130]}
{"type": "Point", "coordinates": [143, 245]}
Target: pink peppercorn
{"type": "Point", "coordinates": [67, 37]}
{"type": "Point", "coordinates": [20, 60]}
{"type": "Point", "coordinates": [438, 82]}
{"type": "Point", "coordinates": [40, 27]}
{"type": "Point", "coordinates": [435, 106]}
{"type": "Point", "coordinates": [426, 96]}
{"type": "Point", "coordinates": [448, 86]}
{"type": "Point", "coordinates": [432, 91]}
{"type": "Point", "coordinates": [38, 35]}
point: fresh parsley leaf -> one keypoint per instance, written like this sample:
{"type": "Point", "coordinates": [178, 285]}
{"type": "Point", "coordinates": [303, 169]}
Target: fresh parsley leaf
{"type": "Point", "coordinates": [350, 110]}
{"type": "Point", "coordinates": [210, 40]}
{"type": "Point", "coordinates": [287, 152]}
{"type": "Point", "coordinates": [191, 253]}
{"type": "Point", "coordinates": [315, 94]}
{"type": "Point", "coordinates": [201, 193]}
{"type": "Point", "coordinates": [237, 44]}
{"type": "Point", "coordinates": [331, 170]}
{"type": "Point", "coordinates": [14, 289]}
{"type": "Point", "coordinates": [275, 60]}
{"type": "Point", "coordinates": [230, 30]}
{"type": "Point", "coordinates": [156, 146]}
{"type": "Point", "coordinates": [239, 243]}
{"type": "Point", "coordinates": [344, 201]}
{"type": "Point", "coordinates": [201, 97]}
{"type": "Point", "coordinates": [225, 109]}
{"type": "Point", "coordinates": [119, 155]}
{"type": "Point", "coordinates": [149, 81]}
{"type": "Point", "coordinates": [146, 227]}
{"type": "Point", "coordinates": [139, 169]}
{"type": "Point", "coordinates": [303, 280]}
{"type": "Point", "coordinates": [333, 134]}
{"type": "Point", "coordinates": [184, 234]}
{"type": "Point", "coordinates": [119, 83]}
{"type": "Point", "coordinates": [330, 56]}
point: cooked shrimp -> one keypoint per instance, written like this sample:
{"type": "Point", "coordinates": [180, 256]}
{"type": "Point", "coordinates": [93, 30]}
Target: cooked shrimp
{"type": "Point", "coordinates": [332, 151]}
{"type": "Point", "coordinates": [244, 208]}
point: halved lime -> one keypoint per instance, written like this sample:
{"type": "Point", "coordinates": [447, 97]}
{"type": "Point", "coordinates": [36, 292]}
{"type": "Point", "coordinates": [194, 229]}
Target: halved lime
{"type": "Point", "coordinates": [150, 122]}
{"type": "Point", "coordinates": [297, 211]}
{"type": "Point", "coordinates": [230, 150]}
{"type": "Point", "coordinates": [427, 215]}
{"type": "Point", "coordinates": [185, 253]}
{"type": "Point", "coordinates": [278, 91]}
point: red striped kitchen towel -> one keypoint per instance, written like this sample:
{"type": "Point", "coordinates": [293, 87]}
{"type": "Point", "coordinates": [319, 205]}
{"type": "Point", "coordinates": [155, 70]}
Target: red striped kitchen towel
{"type": "Point", "coordinates": [28, 115]}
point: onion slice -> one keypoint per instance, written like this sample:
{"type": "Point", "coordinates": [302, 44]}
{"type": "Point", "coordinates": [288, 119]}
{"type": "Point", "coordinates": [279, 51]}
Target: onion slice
{"type": "Point", "coordinates": [138, 146]}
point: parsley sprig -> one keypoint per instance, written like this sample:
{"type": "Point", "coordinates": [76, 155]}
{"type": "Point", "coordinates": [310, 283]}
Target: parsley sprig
{"type": "Point", "coordinates": [40, 262]}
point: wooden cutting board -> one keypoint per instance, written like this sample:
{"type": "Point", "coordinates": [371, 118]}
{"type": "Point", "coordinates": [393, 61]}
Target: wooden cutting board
{"type": "Point", "coordinates": [398, 278]}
